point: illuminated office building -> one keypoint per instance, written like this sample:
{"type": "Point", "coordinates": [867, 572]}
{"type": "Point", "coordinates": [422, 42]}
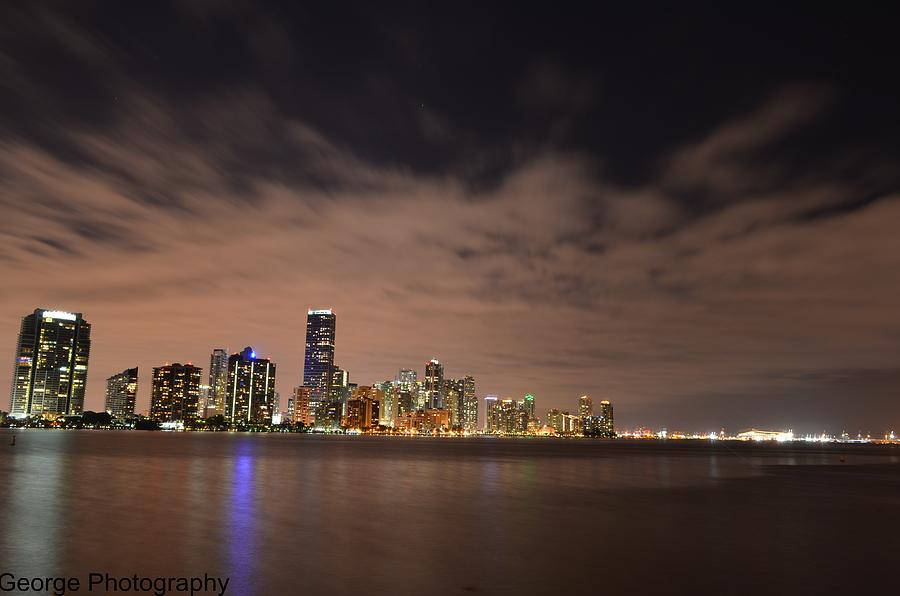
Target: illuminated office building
{"type": "Point", "coordinates": [250, 397]}
{"type": "Point", "coordinates": [218, 381]}
{"type": "Point", "coordinates": [175, 393]}
{"type": "Point", "coordinates": [318, 362]}
{"type": "Point", "coordinates": [50, 370]}
{"type": "Point", "coordinates": [121, 393]}
{"type": "Point", "coordinates": [434, 384]}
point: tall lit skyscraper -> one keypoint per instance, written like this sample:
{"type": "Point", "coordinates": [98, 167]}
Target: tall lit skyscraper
{"type": "Point", "coordinates": [434, 384]}
{"type": "Point", "coordinates": [491, 414]}
{"type": "Point", "coordinates": [585, 406]}
{"type": "Point", "coordinates": [175, 392]}
{"type": "Point", "coordinates": [453, 400]}
{"type": "Point", "coordinates": [318, 362]}
{"type": "Point", "coordinates": [607, 423]}
{"type": "Point", "coordinates": [251, 389]}
{"type": "Point", "coordinates": [218, 381]}
{"type": "Point", "coordinates": [50, 372]}
{"type": "Point", "coordinates": [121, 393]}
{"type": "Point", "coordinates": [528, 406]}
{"type": "Point", "coordinates": [469, 420]}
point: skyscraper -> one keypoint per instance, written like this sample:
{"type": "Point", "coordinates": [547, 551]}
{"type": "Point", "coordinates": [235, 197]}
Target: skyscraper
{"type": "Point", "coordinates": [434, 384]}
{"type": "Point", "coordinates": [175, 392]}
{"type": "Point", "coordinates": [218, 381]}
{"type": "Point", "coordinates": [585, 406]}
{"type": "Point", "coordinates": [406, 378]}
{"type": "Point", "coordinates": [528, 406]}
{"type": "Point", "coordinates": [318, 362]}
{"type": "Point", "coordinates": [251, 389]}
{"type": "Point", "coordinates": [469, 420]}
{"type": "Point", "coordinates": [50, 372]}
{"type": "Point", "coordinates": [302, 412]}
{"type": "Point", "coordinates": [121, 392]}
{"type": "Point", "coordinates": [491, 414]}
{"type": "Point", "coordinates": [607, 425]}
{"type": "Point", "coordinates": [453, 400]}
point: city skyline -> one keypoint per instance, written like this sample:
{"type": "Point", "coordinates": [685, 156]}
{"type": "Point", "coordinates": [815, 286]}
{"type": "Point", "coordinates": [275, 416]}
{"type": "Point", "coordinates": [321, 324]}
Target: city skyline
{"type": "Point", "coordinates": [705, 237]}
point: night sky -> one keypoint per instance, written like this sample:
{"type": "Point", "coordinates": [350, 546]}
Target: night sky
{"type": "Point", "coordinates": [690, 213]}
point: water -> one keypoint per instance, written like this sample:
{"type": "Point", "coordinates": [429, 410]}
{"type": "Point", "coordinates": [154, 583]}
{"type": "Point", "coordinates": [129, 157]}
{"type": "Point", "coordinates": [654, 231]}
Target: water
{"type": "Point", "coordinates": [283, 514]}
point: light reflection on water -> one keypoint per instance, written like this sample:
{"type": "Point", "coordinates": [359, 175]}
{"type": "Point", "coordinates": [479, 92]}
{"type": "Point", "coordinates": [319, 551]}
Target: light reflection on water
{"type": "Point", "coordinates": [350, 515]}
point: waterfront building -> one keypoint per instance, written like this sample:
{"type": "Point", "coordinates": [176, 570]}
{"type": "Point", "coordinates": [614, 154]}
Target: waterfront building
{"type": "Point", "coordinates": [608, 423]}
{"type": "Point", "coordinates": [340, 384]}
{"type": "Point", "coordinates": [175, 393]}
{"type": "Point", "coordinates": [329, 415]}
{"type": "Point", "coordinates": [302, 412]}
{"type": "Point", "coordinates": [218, 381]}
{"type": "Point", "coordinates": [513, 417]}
{"type": "Point", "coordinates": [251, 389]}
{"type": "Point", "coordinates": [453, 400]}
{"type": "Point", "coordinates": [318, 361]}
{"type": "Point", "coordinates": [469, 420]}
{"type": "Point", "coordinates": [585, 406]}
{"type": "Point", "coordinates": [121, 393]}
{"type": "Point", "coordinates": [491, 414]}
{"type": "Point", "coordinates": [434, 384]}
{"type": "Point", "coordinates": [51, 366]}
{"type": "Point", "coordinates": [528, 406]}
{"type": "Point", "coordinates": [388, 409]}
{"type": "Point", "coordinates": [363, 408]}
{"type": "Point", "coordinates": [555, 419]}
{"type": "Point", "coordinates": [424, 421]}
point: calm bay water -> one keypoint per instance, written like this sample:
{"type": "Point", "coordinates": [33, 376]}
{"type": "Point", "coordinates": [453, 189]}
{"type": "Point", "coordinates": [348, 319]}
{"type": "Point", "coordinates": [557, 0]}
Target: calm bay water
{"type": "Point", "coordinates": [282, 514]}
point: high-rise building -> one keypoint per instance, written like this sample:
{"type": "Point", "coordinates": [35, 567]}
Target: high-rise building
{"type": "Point", "coordinates": [388, 408]}
{"type": "Point", "coordinates": [513, 419]}
{"type": "Point", "coordinates": [555, 419]}
{"type": "Point", "coordinates": [607, 424]}
{"type": "Point", "coordinates": [300, 401]}
{"type": "Point", "coordinates": [175, 392]}
{"type": "Point", "coordinates": [469, 417]}
{"type": "Point", "coordinates": [121, 393]}
{"type": "Point", "coordinates": [50, 372]}
{"type": "Point", "coordinates": [251, 389]}
{"type": "Point", "coordinates": [340, 384]}
{"type": "Point", "coordinates": [528, 406]}
{"type": "Point", "coordinates": [585, 406]}
{"type": "Point", "coordinates": [453, 400]}
{"type": "Point", "coordinates": [406, 379]}
{"type": "Point", "coordinates": [363, 408]}
{"type": "Point", "coordinates": [491, 414]}
{"type": "Point", "coordinates": [318, 362]}
{"type": "Point", "coordinates": [434, 384]}
{"type": "Point", "coordinates": [218, 382]}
